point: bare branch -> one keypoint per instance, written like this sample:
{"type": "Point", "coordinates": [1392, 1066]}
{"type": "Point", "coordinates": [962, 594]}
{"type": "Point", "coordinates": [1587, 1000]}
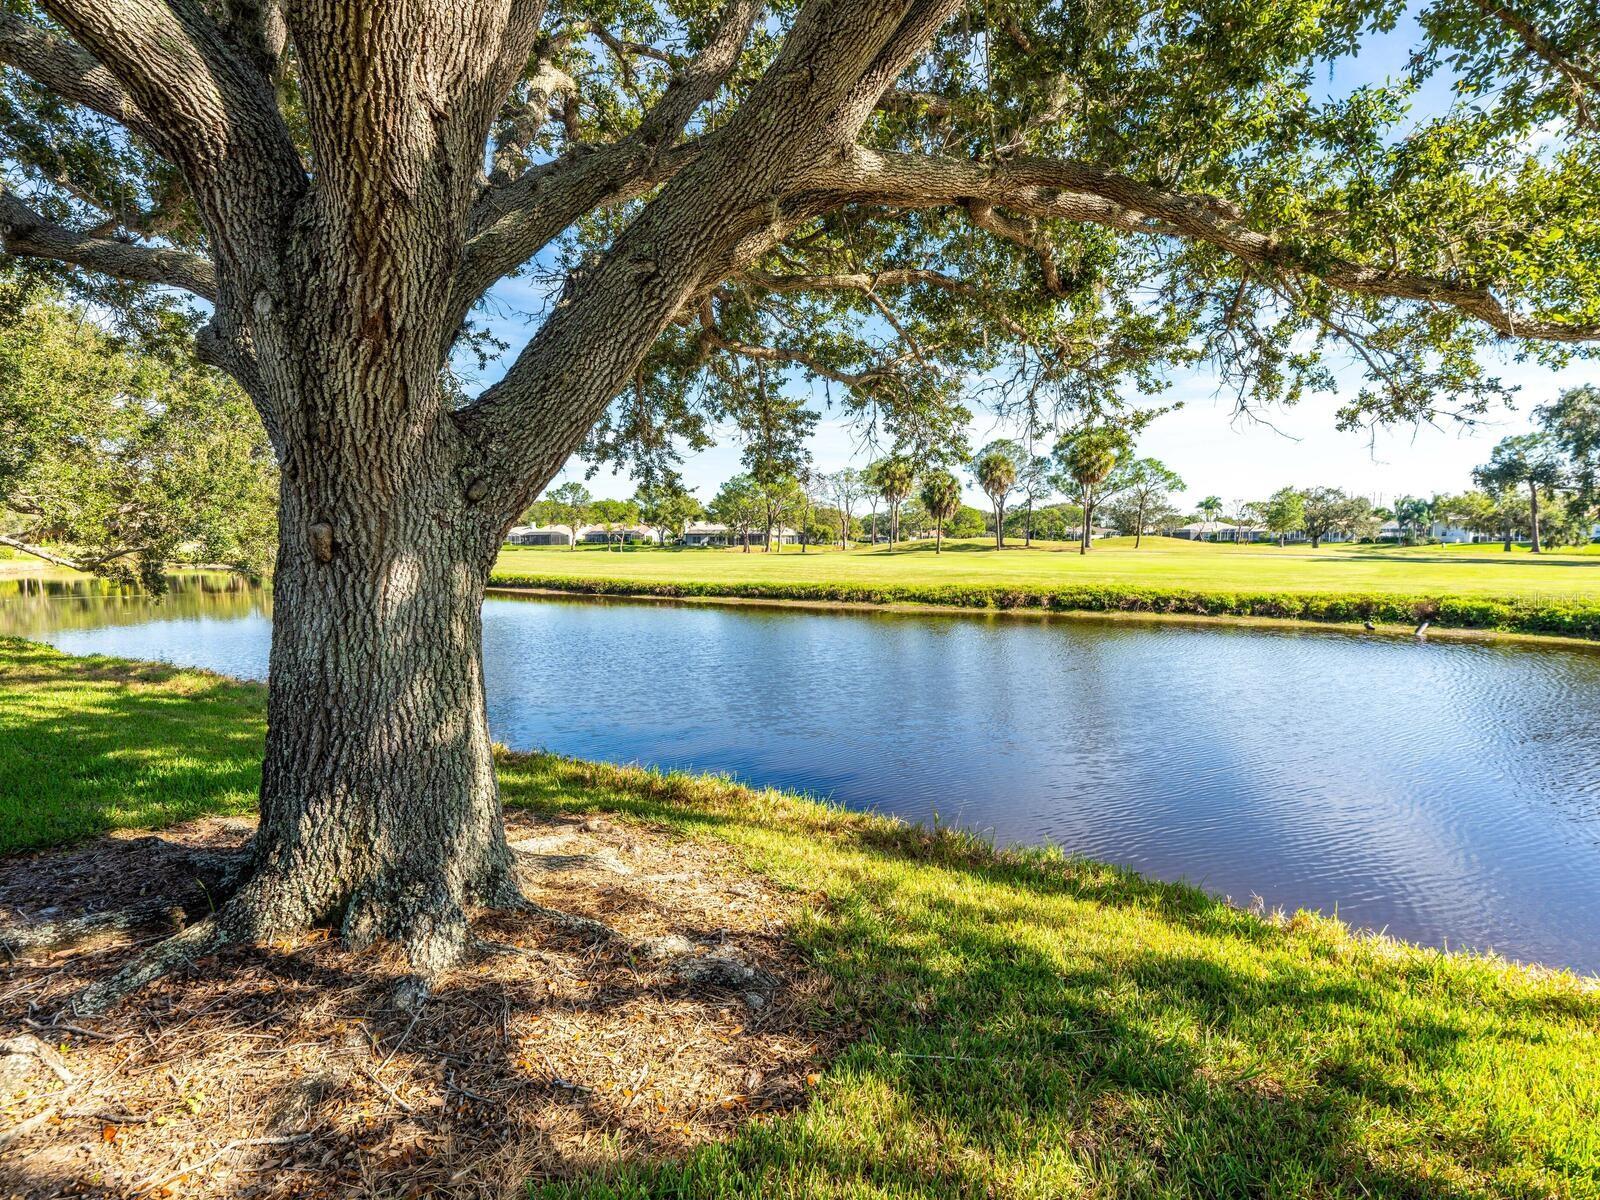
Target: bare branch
{"type": "Point", "coordinates": [25, 232]}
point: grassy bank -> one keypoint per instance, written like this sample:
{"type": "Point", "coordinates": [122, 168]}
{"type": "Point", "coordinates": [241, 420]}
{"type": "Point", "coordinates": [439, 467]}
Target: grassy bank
{"type": "Point", "coordinates": [1029, 1025]}
{"type": "Point", "coordinates": [1463, 587]}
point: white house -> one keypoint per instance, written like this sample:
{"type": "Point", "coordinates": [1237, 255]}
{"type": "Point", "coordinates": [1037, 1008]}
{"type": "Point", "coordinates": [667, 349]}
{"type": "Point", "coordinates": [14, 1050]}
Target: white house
{"type": "Point", "coordinates": [539, 535]}
{"type": "Point", "coordinates": [1444, 531]}
{"type": "Point", "coordinates": [630, 534]}
{"type": "Point", "coordinates": [1207, 531]}
{"type": "Point", "coordinates": [706, 533]}
{"type": "Point", "coordinates": [709, 533]}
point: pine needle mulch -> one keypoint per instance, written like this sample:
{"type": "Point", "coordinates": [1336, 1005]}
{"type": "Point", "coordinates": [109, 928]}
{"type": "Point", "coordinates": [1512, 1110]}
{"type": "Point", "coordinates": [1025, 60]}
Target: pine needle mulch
{"type": "Point", "coordinates": [287, 1070]}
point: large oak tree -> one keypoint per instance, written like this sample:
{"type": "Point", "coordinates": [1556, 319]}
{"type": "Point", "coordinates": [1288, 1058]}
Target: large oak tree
{"type": "Point", "coordinates": [889, 196]}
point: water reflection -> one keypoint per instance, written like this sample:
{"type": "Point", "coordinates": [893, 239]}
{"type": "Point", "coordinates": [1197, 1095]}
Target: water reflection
{"type": "Point", "coordinates": [1446, 791]}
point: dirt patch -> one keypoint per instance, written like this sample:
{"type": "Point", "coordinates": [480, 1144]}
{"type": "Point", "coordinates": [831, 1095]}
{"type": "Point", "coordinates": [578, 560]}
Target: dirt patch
{"type": "Point", "coordinates": [286, 1070]}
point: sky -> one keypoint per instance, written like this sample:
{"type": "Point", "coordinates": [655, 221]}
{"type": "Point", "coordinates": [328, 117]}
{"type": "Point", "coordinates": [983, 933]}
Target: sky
{"type": "Point", "coordinates": [1214, 452]}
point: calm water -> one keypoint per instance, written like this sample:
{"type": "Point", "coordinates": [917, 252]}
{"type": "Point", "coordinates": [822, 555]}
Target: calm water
{"type": "Point", "coordinates": [1449, 792]}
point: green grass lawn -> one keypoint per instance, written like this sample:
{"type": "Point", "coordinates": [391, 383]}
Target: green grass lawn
{"type": "Point", "coordinates": [1029, 1025]}
{"type": "Point", "coordinates": [1159, 562]}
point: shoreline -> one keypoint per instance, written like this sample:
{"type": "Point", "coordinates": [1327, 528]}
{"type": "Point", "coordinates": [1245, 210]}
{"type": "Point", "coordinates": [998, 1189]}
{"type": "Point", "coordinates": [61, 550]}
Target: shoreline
{"type": "Point", "coordinates": [1388, 630]}
{"type": "Point", "coordinates": [1046, 1016]}
{"type": "Point", "coordinates": [636, 778]}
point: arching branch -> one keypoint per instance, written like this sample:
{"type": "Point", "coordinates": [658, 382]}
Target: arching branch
{"type": "Point", "coordinates": [1074, 191]}
{"type": "Point", "coordinates": [514, 219]}
{"type": "Point", "coordinates": [25, 232]}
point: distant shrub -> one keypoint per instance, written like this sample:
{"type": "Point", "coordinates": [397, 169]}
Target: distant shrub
{"type": "Point", "coordinates": [1572, 618]}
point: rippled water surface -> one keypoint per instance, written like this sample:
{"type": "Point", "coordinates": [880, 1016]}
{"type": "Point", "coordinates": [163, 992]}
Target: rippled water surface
{"type": "Point", "coordinates": [1446, 791]}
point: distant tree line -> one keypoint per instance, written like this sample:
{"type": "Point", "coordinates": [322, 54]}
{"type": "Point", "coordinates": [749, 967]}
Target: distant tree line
{"type": "Point", "coordinates": [1542, 487]}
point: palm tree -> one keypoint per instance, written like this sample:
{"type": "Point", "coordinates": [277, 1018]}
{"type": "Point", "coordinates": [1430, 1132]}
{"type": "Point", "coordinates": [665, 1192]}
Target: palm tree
{"type": "Point", "coordinates": [1210, 507]}
{"type": "Point", "coordinates": [892, 479]}
{"type": "Point", "coordinates": [996, 473]}
{"type": "Point", "coordinates": [941, 496]}
{"type": "Point", "coordinates": [1088, 457]}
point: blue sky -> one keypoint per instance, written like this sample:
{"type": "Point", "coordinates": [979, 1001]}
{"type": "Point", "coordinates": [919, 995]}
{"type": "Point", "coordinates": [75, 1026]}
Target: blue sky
{"type": "Point", "coordinates": [1212, 450]}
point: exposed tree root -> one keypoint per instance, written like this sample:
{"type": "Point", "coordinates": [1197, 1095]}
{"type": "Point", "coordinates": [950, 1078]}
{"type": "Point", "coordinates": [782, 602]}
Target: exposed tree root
{"type": "Point", "coordinates": [569, 922]}
{"type": "Point", "coordinates": [68, 931]}
{"type": "Point", "coordinates": [216, 873]}
{"type": "Point", "coordinates": [429, 924]}
{"type": "Point", "coordinates": [198, 940]}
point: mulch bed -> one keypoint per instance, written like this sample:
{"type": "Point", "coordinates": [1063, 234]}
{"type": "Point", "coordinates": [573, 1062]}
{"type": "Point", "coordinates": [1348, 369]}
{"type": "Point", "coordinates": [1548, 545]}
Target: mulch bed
{"type": "Point", "coordinates": [287, 1070]}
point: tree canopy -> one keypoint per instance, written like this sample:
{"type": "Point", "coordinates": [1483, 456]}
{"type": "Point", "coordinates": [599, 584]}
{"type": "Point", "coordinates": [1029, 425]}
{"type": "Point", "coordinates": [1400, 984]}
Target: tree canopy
{"type": "Point", "coordinates": [1048, 199]}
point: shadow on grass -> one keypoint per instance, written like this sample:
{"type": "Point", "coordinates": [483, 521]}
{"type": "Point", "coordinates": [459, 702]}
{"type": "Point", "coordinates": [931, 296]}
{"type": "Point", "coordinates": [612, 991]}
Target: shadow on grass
{"type": "Point", "coordinates": [1044, 1026]}
{"type": "Point", "coordinates": [92, 745]}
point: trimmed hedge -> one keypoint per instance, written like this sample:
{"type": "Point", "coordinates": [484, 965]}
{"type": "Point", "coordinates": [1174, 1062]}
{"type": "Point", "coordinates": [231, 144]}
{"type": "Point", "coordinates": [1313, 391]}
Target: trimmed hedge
{"type": "Point", "coordinates": [1572, 618]}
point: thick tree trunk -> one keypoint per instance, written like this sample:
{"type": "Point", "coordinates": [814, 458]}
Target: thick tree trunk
{"type": "Point", "coordinates": [379, 808]}
{"type": "Point", "coordinates": [1533, 517]}
{"type": "Point", "coordinates": [380, 814]}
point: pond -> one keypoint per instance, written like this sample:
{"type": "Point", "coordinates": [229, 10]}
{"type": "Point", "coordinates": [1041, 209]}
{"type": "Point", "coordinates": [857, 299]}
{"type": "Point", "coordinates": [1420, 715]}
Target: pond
{"type": "Point", "coordinates": [1448, 792]}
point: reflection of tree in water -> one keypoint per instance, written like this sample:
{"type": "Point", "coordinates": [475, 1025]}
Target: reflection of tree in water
{"type": "Point", "coordinates": [34, 606]}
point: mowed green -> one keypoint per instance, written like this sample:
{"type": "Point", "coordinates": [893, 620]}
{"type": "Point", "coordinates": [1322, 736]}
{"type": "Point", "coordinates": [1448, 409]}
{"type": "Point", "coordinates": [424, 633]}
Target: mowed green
{"type": "Point", "coordinates": [1483, 570]}
{"type": "Point", "coordinates": [1020, 1024]}
{"type": "Point", "coordinates": [93, 744]}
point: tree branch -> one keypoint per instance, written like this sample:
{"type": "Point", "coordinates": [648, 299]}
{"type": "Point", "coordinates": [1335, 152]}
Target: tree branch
{"type": "Point", "coordinates": [61, 560]}
{"type": "Point", "coordinates": [195, 92]}
{"type": "Point", "coordinates": [709, 338]}
{"type": "Point", "coordinates": [514, 220]}
{"type": "Point", "coordinates": [869, 283]}
{"type": "Point", "coordinates": [1539, 44]}
{"type": "Point", "coordinates": [727, 198]}
{"type": "Point", "coordinates": [65, 69]}
{"type": "Point", "coordinates": [1075, 191]}
{"type": "Point", "coordinates": [916, 29]}
{"type": "Point", "coordinates": [25, 232]}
